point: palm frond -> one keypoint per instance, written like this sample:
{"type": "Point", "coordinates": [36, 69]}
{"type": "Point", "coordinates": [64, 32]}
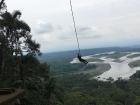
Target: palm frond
{"type": "Point", "coordinates": [16, 14]}
{"type": "Point", "coordinates": [22, 25]}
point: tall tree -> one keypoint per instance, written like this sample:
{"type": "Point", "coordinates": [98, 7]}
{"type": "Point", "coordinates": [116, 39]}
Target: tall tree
{"type": "Point", "coordinates": [2, 38]}
{"type": "Point", "coordinates": [2, 4]}
{"type": "Point", "coordinates": [18, 38]}
{"type": "Point", "coordinates": [18, 34]}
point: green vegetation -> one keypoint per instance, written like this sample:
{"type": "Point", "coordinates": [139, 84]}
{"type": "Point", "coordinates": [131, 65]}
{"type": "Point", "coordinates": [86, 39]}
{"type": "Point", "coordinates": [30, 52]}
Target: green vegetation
{"type": "Point", "coordinates": [101, 55]}
{"type": "Point", "coordinates": [80, 90]}
{"type": "Point", "coordinates": [135, 63]}
{"type": "Point", "coordinates": [57, 82]}
{"type": "Point", "coordinates": [63, 67]}
{"type": "Point", "coordinates": [117, 55]}
{"type": "Point", "coordinates": [94, 59]}
{"type": "Point", "coordinates": [95, 69]}
{"type": "Point", "coordinates": [60, 67]}
{"type": "Point", "coordinates": [19, 67]}
{"type": "Point", "coordinates": [117, 60]}
{"type": "Point", "coordinates": [134, 55]}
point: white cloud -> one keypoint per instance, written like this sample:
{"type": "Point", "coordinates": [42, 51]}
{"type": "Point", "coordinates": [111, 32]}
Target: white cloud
{"type": "Point", "coordinates": [44, 27]}
{"type": "Point", "coordinates": [99, 22]}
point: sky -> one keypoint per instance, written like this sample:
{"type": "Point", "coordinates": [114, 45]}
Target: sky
{"type": "Point", "coordinates": [100, 23]}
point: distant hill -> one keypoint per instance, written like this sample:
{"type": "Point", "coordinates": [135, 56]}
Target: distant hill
{"type": "Point", "coordinates": [72, 54]}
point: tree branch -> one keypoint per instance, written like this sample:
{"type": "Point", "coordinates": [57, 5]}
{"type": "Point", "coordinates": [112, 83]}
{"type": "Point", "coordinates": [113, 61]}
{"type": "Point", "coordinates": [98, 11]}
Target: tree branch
{"type": "Point", "coordinates": [1, 3]}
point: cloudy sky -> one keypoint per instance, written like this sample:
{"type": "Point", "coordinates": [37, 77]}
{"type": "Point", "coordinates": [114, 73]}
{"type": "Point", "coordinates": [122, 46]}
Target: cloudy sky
{"type": "Point", "coordinates": [100, 23]}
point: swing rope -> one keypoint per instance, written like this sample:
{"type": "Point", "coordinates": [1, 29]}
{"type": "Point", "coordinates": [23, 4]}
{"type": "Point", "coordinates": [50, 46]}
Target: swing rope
{"type": "Point", "coordinates": [75, 29]}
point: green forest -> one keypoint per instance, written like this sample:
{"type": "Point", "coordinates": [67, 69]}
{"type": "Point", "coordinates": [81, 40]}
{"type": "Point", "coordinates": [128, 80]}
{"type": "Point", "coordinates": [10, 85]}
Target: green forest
{"type": "Point", "coordinates": [79, 89]}
{"type": "Point", "coordinates": [54, 82]}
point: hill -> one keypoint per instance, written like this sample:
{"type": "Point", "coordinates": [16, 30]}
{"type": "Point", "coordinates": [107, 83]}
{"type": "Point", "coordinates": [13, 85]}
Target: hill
{"type": "Point", "coordinates": [71, 54]}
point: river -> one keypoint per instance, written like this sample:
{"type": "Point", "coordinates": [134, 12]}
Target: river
{"type": "Point", "coordinates": [118, 69]}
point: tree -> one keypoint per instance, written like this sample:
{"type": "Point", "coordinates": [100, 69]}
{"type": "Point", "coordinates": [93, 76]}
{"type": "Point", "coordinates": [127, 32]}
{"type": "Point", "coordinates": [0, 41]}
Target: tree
{"type": "Point", "coordinates": [2, 5]}
{"type": "Point", "coordinates": [18, 33]}
{"type": "Point", "coordinates": [18, 39]}
{"type": "Point", "coordinates": [17, 54]}
{"type": "Point", "coordinates": [52, 92]}
{"type": "Point", "coordinates": [2, 38]}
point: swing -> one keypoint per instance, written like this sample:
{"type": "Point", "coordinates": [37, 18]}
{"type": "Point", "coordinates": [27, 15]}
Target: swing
{"type": "Point", "coordinates": [76, 34]}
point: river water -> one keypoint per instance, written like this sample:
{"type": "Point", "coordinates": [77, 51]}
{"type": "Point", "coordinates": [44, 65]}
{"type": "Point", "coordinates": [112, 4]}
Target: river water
{"type": "Point", "coordinates": [118, 69]}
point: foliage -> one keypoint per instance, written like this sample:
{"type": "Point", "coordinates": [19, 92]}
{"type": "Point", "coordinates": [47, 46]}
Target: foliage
{"type": "Point", "coordinates": [40, 87]}
{"type": "Point", "coordinates": [79, 90]}
{"type": "Point", "coordinates": [134, 63]}
{"type": "Point", "coordinates": [134, 55]}
{"type": "Point", "coordinates": [2, 5]}
{"type": "Point", "coordinates": [19, 67]}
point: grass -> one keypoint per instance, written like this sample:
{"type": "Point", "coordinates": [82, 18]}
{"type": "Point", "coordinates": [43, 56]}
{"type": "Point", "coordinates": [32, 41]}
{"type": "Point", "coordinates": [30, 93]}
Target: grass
{"type": "Point", "coordinates": [134, 55]}
{"type": "Point", "coordinates": [101, 55]}
{"type": "Point", "coordinates": [117, 60]}
{"type": "Point", "coordinates": [95, 70]}
{"type": "Point", "coordinates": [95, 59]}
{"type": "Point", "coordinates": [116, 55]}
{"type": "Point", "coordinates": [135, 64]}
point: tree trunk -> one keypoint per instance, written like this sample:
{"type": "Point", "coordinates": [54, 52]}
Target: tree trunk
{"type": "Point", "coordinates": [21, 69]}
{"type": "Point", "coordinates": [2, 61]}
{"type": "Point", "coordinates": [1, 58]}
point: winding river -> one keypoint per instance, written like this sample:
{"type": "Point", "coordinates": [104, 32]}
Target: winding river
{"type": "Point", "coordinates": [118, 69]}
